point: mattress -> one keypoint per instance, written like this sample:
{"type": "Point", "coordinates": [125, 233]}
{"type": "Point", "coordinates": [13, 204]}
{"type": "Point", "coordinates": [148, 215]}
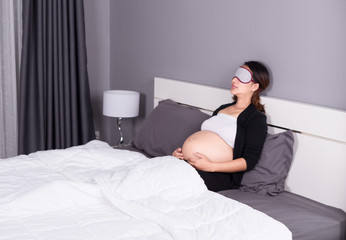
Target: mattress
{"type": "Point", "coordinates": [307, 219]}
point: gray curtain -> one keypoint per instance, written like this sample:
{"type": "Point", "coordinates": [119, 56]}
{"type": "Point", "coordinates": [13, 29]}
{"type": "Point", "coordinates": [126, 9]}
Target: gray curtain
{"type": "Point", "coordinates": [54, 96]}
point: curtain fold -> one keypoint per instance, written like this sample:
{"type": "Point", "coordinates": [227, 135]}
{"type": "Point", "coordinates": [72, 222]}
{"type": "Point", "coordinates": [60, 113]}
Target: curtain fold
{"type": "Point", "coordinates": [54, 99]}
{"type": "Point", "coordinates": [10, 48]}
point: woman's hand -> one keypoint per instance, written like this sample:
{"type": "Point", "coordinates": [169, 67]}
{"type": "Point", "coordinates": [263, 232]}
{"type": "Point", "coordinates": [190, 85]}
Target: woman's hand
{"type": "Point", "coordinates": [201, 162]}
{"type": "Point", "coordinates": [178, 153]}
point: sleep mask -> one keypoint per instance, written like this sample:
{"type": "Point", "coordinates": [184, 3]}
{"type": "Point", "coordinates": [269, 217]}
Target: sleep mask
{"type": "Point", "coordinates": [244, 75]}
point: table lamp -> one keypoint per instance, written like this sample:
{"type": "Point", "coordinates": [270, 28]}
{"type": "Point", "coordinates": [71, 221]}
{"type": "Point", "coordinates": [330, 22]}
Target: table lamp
{"type": "Point", "coordinates": [120, 104]}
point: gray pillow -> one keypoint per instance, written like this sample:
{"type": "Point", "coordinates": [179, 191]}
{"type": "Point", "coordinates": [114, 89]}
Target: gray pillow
{"type": "Point", "coordinates": [167, 127]}
{"type": "Point", "coordinates": [269, 174]}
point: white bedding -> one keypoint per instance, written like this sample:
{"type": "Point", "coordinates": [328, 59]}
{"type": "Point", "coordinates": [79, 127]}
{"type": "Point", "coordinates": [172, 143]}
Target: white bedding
{"type": "Point", "coordinates": [96, 192]}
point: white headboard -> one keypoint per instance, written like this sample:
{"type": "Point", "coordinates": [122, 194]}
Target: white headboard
{"type": "Point", "coordinates": [319, 165]}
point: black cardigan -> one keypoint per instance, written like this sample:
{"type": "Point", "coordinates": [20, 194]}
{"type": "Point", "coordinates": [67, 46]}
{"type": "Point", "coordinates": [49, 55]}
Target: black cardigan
{"type": "Point", "coordinates": [249, 140]}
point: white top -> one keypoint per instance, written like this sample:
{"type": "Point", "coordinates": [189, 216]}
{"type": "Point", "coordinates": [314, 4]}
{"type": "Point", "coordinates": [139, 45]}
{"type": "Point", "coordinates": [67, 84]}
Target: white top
{"type": "Point", "coordinates": [223, 125]}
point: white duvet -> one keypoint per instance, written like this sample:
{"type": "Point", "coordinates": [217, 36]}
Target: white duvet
{"type": "Point", "coordinates": [96, 192]}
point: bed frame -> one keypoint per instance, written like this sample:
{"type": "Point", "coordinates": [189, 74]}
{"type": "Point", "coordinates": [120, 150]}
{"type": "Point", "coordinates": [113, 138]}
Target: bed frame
{"type": "Point", "coordinates": [319, 163]}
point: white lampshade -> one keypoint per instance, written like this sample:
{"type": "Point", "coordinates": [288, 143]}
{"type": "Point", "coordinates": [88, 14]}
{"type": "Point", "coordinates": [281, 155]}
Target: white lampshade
{"type": "Point", "coordinates": [120, 103]}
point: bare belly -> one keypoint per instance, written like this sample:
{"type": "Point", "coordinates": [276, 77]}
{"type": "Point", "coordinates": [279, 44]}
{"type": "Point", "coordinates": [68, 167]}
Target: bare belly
{"type": "Point", "coordinates": [209, 144]}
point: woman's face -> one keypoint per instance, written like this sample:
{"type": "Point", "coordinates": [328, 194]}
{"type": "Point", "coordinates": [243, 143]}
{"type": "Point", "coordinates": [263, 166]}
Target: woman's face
{"type": "Point", "coordinates": [239, 88]}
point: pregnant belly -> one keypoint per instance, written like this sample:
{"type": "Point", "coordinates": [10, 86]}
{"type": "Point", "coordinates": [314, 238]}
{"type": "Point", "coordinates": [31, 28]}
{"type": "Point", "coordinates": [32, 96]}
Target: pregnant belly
{"type": "Point", "coordinates": [209, 144]}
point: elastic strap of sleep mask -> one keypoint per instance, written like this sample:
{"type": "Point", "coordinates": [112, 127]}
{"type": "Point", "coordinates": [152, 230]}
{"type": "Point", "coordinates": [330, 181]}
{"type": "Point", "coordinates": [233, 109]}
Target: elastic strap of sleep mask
{"type": "Point", "coordinates": [244, 75]}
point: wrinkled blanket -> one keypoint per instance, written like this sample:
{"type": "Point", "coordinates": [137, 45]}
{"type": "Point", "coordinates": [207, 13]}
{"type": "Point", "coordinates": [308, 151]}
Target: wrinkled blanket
{"type": "Point", "coordinates": [96, 192]}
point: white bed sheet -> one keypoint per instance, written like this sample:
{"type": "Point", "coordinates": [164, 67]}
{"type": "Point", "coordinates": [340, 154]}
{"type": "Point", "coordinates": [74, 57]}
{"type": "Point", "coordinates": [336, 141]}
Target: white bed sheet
{"type": "Point", "coordinates": [96, 192]}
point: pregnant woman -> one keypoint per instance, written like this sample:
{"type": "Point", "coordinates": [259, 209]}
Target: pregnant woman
{"type": "Point", "coordinates": [231, 141]}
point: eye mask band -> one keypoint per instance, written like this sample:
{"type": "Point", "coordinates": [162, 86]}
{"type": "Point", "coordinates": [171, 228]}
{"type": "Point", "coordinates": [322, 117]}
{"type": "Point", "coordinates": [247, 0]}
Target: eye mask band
{"type": "Point", "coordinates": [244, 75]}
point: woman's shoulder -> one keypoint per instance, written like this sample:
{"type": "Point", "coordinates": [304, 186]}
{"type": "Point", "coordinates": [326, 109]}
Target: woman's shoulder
{"type": "Point", "coordinates": [252, 113]}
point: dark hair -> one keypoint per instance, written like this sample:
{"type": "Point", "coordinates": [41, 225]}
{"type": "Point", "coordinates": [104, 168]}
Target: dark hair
{"type": "Point", "coordinates": [261, 76]}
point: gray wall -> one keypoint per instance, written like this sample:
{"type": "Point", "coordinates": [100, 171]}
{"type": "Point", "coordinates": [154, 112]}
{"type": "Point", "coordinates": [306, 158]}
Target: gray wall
{"type": "Point", "coordinates": [97, 24]}
{"type": "Point", "coordinates": [203, 41]}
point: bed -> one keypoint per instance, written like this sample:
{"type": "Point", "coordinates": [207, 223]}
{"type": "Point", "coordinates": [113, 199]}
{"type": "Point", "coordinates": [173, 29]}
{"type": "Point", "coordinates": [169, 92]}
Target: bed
{"type": "Point", "coordinates": [139, 191]}
{"type": "Point", "coordinates": [304, 193]}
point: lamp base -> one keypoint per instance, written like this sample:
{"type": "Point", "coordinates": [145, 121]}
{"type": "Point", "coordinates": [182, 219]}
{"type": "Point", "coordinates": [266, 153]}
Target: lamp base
{"type": "Point", "coordinates": [121, 140]}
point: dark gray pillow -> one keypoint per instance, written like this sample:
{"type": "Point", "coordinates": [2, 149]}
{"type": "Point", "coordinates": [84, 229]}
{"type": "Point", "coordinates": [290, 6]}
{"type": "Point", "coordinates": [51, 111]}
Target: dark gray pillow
{"type": "Point", "coordinates": [269, 174]}
{"type": "Point", "coordinates": [167, 127]}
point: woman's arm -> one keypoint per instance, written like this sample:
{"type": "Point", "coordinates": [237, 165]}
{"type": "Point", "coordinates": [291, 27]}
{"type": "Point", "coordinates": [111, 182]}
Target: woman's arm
{"type": "Point", "coordinates": [201, 162]}
{"type": "Point", "coordinates": [178, 153]}
{"type": "Point", "coordinates": [256, 133]}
